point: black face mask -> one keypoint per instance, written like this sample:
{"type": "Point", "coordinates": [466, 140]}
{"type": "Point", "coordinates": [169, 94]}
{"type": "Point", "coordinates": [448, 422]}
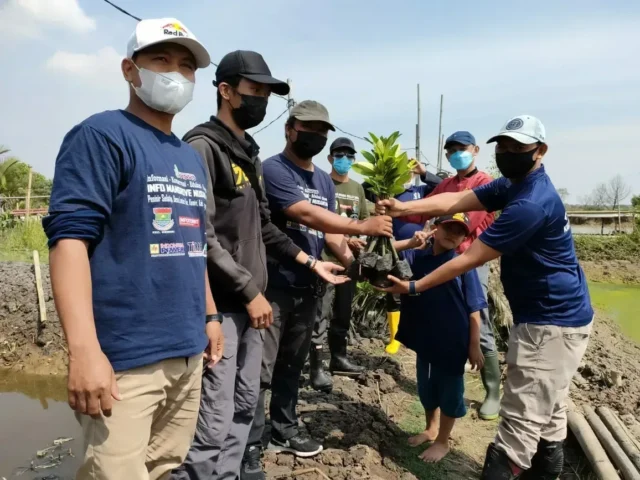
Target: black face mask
{"type": "Point", "coordinates": [308, 144]}
{"type": "Point", "coordinates": [515, 165]}
{"type": "Point", "coordinates": [251, 111]}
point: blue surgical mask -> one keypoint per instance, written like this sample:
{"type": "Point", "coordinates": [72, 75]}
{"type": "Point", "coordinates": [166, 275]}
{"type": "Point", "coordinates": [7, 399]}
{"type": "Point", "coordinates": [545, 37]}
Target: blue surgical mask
{"type": "Point", "coordinates": [461, 160]}
{"type": "Point", "coordinates": [341, 165]}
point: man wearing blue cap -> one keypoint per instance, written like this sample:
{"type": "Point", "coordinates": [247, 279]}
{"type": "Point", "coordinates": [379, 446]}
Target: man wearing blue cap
{"type": "Point", "coordinates": [545, 287]}
{"type": "Point", "coordinates": [461, 151]}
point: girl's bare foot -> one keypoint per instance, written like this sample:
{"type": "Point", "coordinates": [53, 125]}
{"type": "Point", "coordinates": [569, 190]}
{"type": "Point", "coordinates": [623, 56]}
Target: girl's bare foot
{"type": "Point", "coordinates": [429, 435]}
{"type": "Point", "coordinates": [435, 452]}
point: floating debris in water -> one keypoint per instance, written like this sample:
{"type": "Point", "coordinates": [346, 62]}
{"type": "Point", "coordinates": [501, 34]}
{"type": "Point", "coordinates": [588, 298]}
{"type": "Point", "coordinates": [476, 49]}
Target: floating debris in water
{"type": "Point", "coordinates": [61, 440]}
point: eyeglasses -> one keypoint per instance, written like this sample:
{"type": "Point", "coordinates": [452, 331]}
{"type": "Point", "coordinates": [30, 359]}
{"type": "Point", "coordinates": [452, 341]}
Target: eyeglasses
{"type": "Point", "coordinates": [350, 156]}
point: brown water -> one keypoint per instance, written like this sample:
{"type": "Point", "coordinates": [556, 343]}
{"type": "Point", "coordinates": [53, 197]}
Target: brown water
{"type": "Point", "coordinates": [33, 413]}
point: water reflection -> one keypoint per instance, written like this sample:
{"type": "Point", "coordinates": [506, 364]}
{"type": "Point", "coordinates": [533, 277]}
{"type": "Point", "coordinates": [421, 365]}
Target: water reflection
{"type": "Point", "coordinates": [34, 413]}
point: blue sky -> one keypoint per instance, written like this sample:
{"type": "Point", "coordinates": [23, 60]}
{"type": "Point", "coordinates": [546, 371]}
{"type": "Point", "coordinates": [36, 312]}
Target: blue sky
{"type": "Point", "coordinates": [574, 64]}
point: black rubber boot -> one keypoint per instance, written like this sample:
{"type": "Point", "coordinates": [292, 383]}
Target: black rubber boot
{"type": "Point", "coordinates": [320, 380]}
{"type": "Point", "coordinates": [497, 466]}
{"type": "Point", "coordinates": [547, 463]}
{"type": "Point", "coordinates": [340, 364]}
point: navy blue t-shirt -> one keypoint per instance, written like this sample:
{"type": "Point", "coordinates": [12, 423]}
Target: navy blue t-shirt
{"type": "Point", "coordinates": [435, 323]}
{"type": "Point", "coordinates": [138, 197]}
{"type": "Point", "coordinates": [540, 272]}
{"type": "Point", "coordinates": [287, 184]}
{"type": "Point", "coordinates": [405, 227]}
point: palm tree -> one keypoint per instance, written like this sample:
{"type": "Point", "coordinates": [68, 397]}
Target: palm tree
{"type": "Point", "coordinates": [5, 165]}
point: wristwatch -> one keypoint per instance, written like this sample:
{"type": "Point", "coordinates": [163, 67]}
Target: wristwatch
{"type": "Point", "coordinates": [412, 289]}
{"type": "Point", "coordinates": [216, 317]}
{"type": "Point", "coordinates": [311, 262]}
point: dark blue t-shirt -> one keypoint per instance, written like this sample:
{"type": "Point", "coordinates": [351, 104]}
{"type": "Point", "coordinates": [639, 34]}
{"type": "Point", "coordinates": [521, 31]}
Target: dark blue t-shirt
{"type": "Point", "coordinates": [540, 272]}
{"type": "Point", "coordinates": [435, 323]}
{"type": "Point", "coordinates": [138, 197]}
{"type": "Point", "coordinates": [287, 184]}
{"type": "Point", "coordinates": [405, 227]}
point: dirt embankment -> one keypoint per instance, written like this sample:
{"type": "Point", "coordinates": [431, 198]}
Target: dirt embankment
{"type": "Point", "coordinates": [613, 271]}
{"type": "Point", "coordinates": [19, 314]}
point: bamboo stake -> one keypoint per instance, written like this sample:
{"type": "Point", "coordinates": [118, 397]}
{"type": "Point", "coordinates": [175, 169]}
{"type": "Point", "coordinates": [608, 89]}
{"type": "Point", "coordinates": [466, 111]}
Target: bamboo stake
{"type": "Point", "coordinates": [618, 456]}
{"type": "Point", "coordinates": [42, 318]}
{"type": "Point", "coordinates": [609, 419]}
{"type": "Point", "coordinates": [29, 194]}
{"type": "Point", "coordinates": [591, 447]}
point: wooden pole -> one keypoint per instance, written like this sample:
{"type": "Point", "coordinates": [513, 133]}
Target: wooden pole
{"type": "Point", "coordinates": [418, 157]}
{"type": "Point", "coordinates": [440, 142]}
{"type": "Point", "coordinates": [614, 450]}
{"type": "Point", "coordinates": [591, 447]}
{"type": "Point", "coordinates": [29, 194]}
{"type": "Point", "coordinates": [42, 318]}
{"type": "Point", "coordinates": [621, 436]}
{"type": "Point", "coordinates": [290, 101]}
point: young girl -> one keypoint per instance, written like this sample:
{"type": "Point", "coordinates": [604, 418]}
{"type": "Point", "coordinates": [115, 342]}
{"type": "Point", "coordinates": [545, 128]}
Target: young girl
{"type": "Point", "coordinates": [442, 325]}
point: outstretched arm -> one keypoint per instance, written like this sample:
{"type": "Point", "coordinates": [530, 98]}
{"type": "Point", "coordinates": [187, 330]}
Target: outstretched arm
{"type": "Point", "coordinates": [434, 206]}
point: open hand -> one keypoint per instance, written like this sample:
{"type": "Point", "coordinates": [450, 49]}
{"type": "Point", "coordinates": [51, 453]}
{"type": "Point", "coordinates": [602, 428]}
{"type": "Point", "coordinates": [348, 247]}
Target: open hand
{"type": "Point", "coordinates": [476, 358]}
{"type": "Point", "coordinates": [260, 312]}
{"type": "Point", "coordinates": [325, 270]}
{"type": "Point", "coordinates": [92, 383]}
{"type": "Point", "coordinates": [215, 348]}
{"type": "Point", "coordinates": [390, 206]}
{"type": "Point", "coordinates": [398, 287]}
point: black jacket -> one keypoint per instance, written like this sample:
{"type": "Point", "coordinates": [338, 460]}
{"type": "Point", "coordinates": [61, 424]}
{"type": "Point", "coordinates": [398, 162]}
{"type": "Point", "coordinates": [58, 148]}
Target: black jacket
{"type": "Point", "coordinates": [239, 228]}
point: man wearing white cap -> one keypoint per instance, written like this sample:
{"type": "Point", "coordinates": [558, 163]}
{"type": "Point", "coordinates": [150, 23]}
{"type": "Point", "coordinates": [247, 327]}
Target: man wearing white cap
{"type": "Point", "coordinates": [546, 289]}
{"type": "Point", "coordinates": [128, 265]}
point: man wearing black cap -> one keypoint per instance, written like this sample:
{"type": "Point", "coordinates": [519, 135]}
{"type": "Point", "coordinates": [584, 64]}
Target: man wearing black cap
{"type": "Point", "coordinates": [239, 235]}
{"type": "Point", "coordinates": [335, 308]}
{"type": "Point", "coordinates": [302, 200]}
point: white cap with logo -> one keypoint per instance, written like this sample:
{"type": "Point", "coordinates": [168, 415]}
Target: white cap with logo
{"type": "Point", "coordinates": [524, 129]}
{"type": "Point", "coordinates": [160, 30]}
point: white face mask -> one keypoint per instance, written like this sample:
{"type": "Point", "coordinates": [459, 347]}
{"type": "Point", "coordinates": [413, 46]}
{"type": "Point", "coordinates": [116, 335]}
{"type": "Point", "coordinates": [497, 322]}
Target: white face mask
{"type": "Point", "coordinates": [410, 183]}
{"type": "Point", "coordinates": [166, 92]}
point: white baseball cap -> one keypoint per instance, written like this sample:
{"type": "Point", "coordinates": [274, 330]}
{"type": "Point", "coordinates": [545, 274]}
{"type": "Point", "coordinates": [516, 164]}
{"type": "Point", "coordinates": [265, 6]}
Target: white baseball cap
{"type": "Point", "coordinates": [525, 129]}
{"type": "Point", "coordinates": [159, 30]}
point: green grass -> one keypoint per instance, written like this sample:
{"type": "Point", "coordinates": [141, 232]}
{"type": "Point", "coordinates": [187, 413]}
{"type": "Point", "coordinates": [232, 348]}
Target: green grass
{"type": "Point", "coordinates": [608, 247]}
{"type": "Point", "coordinates": [18, 243]}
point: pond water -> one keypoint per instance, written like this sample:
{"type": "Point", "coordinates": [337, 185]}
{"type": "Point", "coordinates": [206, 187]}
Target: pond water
{"type": "Point", "coordinates": [622, 302]}
{"type": "Point", "coordinates": [34, 413]}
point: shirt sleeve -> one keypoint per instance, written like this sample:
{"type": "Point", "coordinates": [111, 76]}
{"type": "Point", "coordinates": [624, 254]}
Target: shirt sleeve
{"type": "Point", "coordinates": [431, 180]}
{"type": "Point", "coordinates": [364, 208]}
{"type": "Point", "coordinates": [89, 172]}
{"type": "Point", "coordinates": [473, 294]}
{"type": "Point", "coordinates": [281, 186]}
{"type": "Point", "coordinates": [331, 196]}
{"type": "Point", "coordinates": [517, 223]}
{"type": "Point", "coordinates": [493, 195]}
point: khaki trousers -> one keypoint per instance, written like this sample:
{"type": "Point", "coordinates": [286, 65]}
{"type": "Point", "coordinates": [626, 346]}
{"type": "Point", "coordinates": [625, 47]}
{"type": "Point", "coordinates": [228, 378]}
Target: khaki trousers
{"type": "Point", "coordinates": [541, 361]}
{"type": "Point", "coordinates": [151, 428]}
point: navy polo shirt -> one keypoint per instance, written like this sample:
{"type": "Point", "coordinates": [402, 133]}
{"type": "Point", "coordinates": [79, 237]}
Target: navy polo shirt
{"type": "Point", "coordinates": [435, 323]}
{"type": "Point", "coordinates": [287, 184]}
{"type": "Point", "coordinates": [540, 272]}
{"type": "Point", "coordinates": [405, 227]}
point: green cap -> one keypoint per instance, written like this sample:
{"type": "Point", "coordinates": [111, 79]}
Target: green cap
{"type": "Point", "coordinates": [311, 111]}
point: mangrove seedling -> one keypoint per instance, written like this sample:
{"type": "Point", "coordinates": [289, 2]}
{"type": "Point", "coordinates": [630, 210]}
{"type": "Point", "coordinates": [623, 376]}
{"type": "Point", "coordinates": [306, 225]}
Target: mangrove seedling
{"type": "Point", "coordinates": [386, 169]}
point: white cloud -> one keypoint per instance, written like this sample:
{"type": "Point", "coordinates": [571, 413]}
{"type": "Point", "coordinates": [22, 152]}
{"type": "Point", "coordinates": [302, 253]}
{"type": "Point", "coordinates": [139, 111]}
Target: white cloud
{"type": "Point", "coordinates": [29, 17]}
{"type": "Point", "coordinates": [101, 68]}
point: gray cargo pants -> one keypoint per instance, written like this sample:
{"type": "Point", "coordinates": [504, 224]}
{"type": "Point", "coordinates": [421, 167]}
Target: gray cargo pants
{"type": "Point", "coordinates": [487, 339]}
{"type": "Point", "coordinates": [229, 398]}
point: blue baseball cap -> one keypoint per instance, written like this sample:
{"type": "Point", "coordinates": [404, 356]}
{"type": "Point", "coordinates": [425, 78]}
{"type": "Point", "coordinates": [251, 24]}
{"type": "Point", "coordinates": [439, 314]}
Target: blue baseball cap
{"type": "Point", "coordinates": [462, 137]}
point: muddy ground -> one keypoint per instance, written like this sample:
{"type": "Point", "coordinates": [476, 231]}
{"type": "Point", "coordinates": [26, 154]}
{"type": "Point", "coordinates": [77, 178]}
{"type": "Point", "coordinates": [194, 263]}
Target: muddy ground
{"type": "Point", "coordinates": [364, 423]}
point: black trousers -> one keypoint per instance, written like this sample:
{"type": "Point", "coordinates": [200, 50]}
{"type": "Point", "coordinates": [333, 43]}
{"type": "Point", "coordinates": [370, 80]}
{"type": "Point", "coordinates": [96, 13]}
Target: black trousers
{"type": "Point", "coordinates": [286, 347]}
{"type": "Point", "coordinates": [334, 313]}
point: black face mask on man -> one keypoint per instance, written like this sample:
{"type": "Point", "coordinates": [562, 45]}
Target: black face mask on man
{"type": "Point", "coordinates": [251, 111]}
{"type": "Point", "coordinates": [308, 144]}
{"type": "Point", "coordinates": [515, 165]}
